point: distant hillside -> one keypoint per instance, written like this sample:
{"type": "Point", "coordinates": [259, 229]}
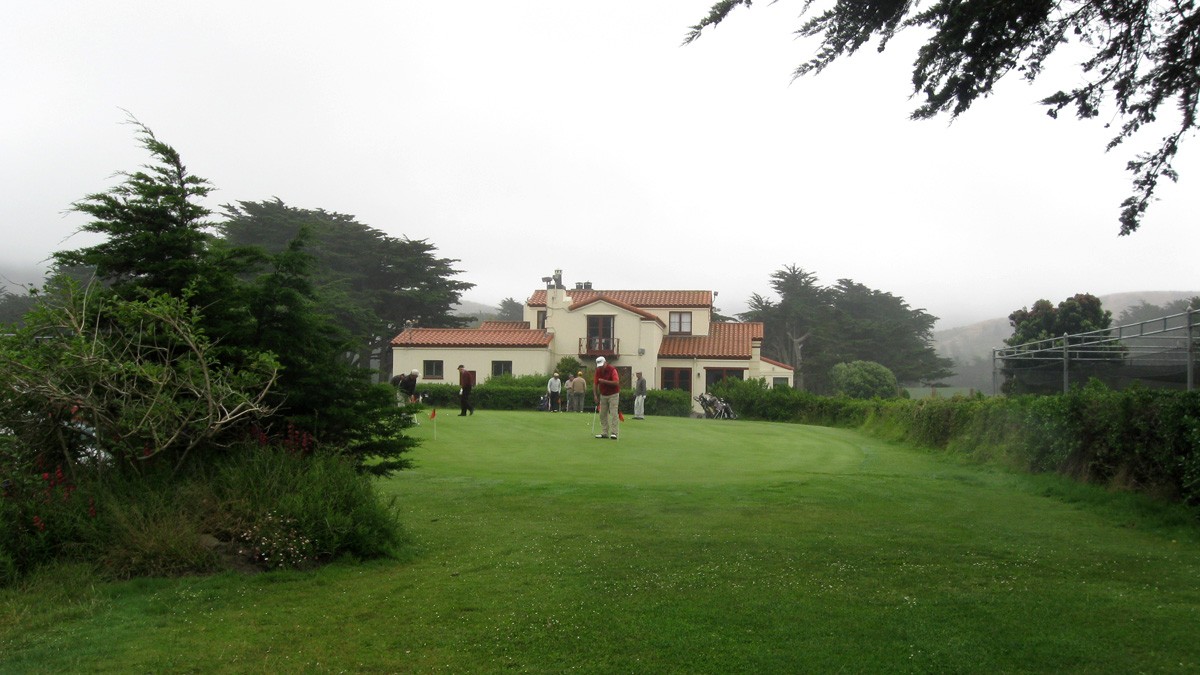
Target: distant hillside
{"type": "Point", "coordinates": [971, 346]}
{"type": "Point", "coordinates": [16, 277]}
{"type": "Point", "coordinates": [475, 312]}
{"type": "Point", "coordinates": [468, 308]}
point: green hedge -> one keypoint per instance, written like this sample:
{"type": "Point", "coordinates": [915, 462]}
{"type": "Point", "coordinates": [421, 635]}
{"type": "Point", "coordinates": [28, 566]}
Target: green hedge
{"type": "Point", "coordinates": [751, 399]}
{"type": "Point", "coordinates": [519, 394]}
{"type": "Point", "coordinates": [660, 403]}
{"type": "Point", "coordinates": [1140, 439]}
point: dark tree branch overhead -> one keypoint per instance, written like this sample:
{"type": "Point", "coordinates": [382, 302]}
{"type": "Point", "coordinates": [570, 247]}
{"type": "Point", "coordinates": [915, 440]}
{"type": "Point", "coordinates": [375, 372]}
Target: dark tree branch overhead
{"type": "Point", "coordinates": [1144, 55]}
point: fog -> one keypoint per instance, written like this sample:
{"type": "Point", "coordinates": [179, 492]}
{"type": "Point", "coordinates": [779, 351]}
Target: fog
{"type": "Point", "coordinates": [521, 139]}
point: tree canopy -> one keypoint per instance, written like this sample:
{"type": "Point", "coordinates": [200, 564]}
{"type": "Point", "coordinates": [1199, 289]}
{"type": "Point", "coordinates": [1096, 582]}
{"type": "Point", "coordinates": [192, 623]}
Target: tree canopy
{"type": "Point", "coordinates": [864, 380]}
{"type": "Point", "coordinates": [1080, 313]}
{"type": "Point", "coordinates": [253, 300]}
{"type": "Point", "coordinates": [13, 307]}
{"type": "Point", "coordinates": [129, 380]}
{"type": "Point", "coordinates": [1146, 311]}
{"type": "Point", "coordinates": [510, 310]}
{"type": "Point", "coordinates": [374, 284]}
{"type": "Point", "coordinates": [1046, 323]}
{"type": "Point", "coordinates": [1142, 56]}
{"type": "Point", "coordinates": [156, 235]}
{"type": "Point", "coordinates": [813, 327]}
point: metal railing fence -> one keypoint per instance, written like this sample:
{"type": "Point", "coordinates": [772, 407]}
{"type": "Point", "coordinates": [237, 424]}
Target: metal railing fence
{"type": "Point", "coordinates": [1157, 353]}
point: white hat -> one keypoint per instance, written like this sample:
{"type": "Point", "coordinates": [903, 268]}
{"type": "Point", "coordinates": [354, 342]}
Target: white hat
{"type": "Point", "coordinates": [599, 360]}
{"type": "Point", "coordinates": [414, 372]}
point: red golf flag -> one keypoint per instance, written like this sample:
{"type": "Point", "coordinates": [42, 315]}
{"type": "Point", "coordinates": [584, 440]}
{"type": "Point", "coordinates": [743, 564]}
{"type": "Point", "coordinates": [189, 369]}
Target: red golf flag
{"type": "Point", "coordinates": [620, 415]}
{"type": "Point", "coordinates": [433, 414]}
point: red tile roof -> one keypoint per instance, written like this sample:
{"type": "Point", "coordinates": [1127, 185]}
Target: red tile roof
{"type": "Point", "coordinates": [634, 298]}
{"type": "Point", "coordinates": [777, 363]}
{"type": "Point", "coordinates": [724, 341]}
{"type": "Point", "coordinates": [617, 303]}
{"type": "Point", "coordinates": [503, 325]}
{"type": "Point", "coordinates": [471, 337]}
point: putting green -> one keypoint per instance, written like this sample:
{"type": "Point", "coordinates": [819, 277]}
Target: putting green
{"type": "Point", "coordinates": [656, 451]}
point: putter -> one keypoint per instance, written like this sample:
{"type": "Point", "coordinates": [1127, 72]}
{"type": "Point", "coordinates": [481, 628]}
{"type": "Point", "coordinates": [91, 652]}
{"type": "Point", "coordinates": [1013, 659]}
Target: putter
{"type": "Point", "coordinates": [593, 421]}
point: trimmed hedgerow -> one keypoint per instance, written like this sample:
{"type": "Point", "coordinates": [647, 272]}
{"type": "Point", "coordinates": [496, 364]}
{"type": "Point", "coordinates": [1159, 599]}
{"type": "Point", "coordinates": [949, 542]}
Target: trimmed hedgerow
{"type": "Point", "coordinates": [522, 394]}
{"type": "Point", "coordinates": [1140, 439]}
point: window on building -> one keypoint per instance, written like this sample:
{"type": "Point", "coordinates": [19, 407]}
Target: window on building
{"type": "Point", "coordinates": [715, 375]}
{"type": "Point", "coordinates": [680, 323]}
{"type": "Point", "coordinates": [541, 321]}
{"type": "Point", "coordinates": [433, 370]}
{"type": "Point", "coordinates": [677, 378]}
{"type": "Point", "coordinates": [600, 332]}
{"type": "Point", "coordinates": [501, 368]}
{"type": "Point", "coordinates": [781, 382]}
{"type": "Point", "coordinates": [625, 377]}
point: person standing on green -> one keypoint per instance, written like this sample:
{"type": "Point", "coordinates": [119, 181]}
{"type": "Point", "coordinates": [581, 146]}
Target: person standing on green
{"type": "Point", "coordinates": [639, 397]}
{"type": "Point", "coordinates": [578, 389]}
{"type": "Point", "coordinates": [606, 392]}
{"type": "Point", "coordinates": [554, 389]}
{"type": "Point", "coordinates": [465, 383]}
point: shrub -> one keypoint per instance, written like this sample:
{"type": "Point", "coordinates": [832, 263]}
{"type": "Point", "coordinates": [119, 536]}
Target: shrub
{"type": "Point", "coordinates": [499, 393]}
{"type": "Point", "coordinates": [752, 399]}
{"type": "Point", "coordinates": [266, 506]}
{"type": "Point", "coordinates": [664, 403]}
{"type": "Point", "coordinates": [270, 492]}
{"type": "Point", "coordinates": [1146, 440]}
{"type": "Point", "coordinates": [276, 542]}
{"type": "Point", "coordinates": [91, 374]}
{"type": "Point", "coordinates": [863, 380]}
{"type": "Point", "coordinates": [147, 532]}
{"type": "Point", "coordinates": [568, 365]}
{"type": "Point", "coordinates": [438, 395]}
{"type": "Point", "coordinates": [523, 393]}
{"type": "Point", "coordinates": [45, 511]}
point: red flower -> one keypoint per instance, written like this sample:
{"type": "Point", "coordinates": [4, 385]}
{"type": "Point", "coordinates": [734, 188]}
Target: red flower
{"type": "Point", "coordinates": [37, 522]}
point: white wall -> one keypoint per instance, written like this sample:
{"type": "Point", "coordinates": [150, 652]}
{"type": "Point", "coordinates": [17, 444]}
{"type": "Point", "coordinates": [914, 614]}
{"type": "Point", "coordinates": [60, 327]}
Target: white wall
{"type": "Point", "coordinates": [524, 361]}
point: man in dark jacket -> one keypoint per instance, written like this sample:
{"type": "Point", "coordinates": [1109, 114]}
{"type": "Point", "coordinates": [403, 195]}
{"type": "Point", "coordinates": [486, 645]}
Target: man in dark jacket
{"type": "Point", "coordinates": [408, 387]}
{"type": "Point", "coordinates": [465, 382]}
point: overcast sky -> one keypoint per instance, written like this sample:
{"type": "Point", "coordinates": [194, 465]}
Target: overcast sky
{"type": "Point", "coordinates": [524, 137]}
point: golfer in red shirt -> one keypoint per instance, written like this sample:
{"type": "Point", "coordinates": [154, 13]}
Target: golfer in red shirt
{"type": "Point", "coordinates": [606, 391]}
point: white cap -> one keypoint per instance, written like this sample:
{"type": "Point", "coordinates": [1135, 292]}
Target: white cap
{"type": "Point", "coordinates": [599, 360]}
{"type": "Point", "coordinates": [414, 372]}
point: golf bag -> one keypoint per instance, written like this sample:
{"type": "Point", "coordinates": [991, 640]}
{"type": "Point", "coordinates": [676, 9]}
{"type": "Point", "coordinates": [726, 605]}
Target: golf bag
{"type": "Point", "coordinates": [715, 408]}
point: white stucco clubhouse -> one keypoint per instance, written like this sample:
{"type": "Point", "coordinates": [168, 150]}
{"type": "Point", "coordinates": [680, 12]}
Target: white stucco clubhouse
{"type": "Point", "coordinates": [669, 336]}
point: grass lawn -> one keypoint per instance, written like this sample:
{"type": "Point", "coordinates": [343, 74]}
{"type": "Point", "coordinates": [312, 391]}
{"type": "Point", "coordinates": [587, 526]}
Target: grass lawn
{"type": "Point", "coordinates": [688, 546]}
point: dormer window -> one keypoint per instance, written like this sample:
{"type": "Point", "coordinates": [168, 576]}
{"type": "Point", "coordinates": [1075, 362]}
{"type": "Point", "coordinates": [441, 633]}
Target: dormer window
{"type": "Point", "coordinates": [680, 323]}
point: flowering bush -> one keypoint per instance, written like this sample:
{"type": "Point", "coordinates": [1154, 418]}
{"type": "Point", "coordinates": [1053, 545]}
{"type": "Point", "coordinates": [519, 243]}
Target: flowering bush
{"type": "Point", "coordinates": [276, 542]}
{"type": "Point", "coordinates": [40, 513]}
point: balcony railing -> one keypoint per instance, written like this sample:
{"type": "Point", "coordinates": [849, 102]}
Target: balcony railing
{"type": "Point", "coordinates": [598, 346]}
